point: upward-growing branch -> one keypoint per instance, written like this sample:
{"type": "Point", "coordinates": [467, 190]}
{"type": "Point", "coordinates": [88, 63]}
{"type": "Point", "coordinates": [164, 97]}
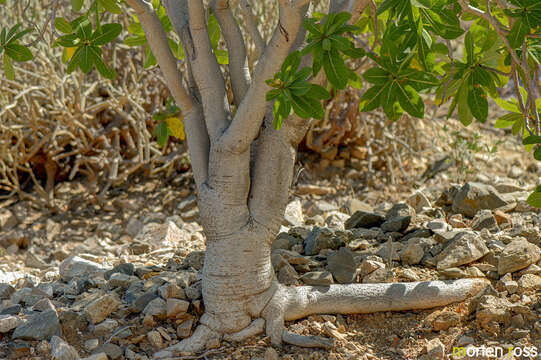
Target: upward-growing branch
{"type": "Point", "coordinates": [249, 116]}
{"type": "Point", "coordinates": [238, 61]}
{"type": "Point", "coordinates": [207, 73]}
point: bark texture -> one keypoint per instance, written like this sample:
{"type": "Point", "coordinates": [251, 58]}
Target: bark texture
{"type": "Point", "coordinates": [243, 169]}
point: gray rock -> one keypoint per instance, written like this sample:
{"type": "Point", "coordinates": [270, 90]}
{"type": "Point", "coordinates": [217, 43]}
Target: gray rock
{"type": "Point", "coordinates": [287, 275]}
{"type": "Point", "coordinates": [6, 291]}
{"type": "Point", "coordinates": [75, 266]}
{"type": "Point", "coordinates": [517, 255]}
{"type": "Point", "coordinates": [336, 219]}
{"type": "Point", "coordinates": [41, 326]}
{"type": "Point", "coordinates": [105, 328]}
{"type": "Point", "coordinates": [185, 328]}
{"type": "Point", "coordinates": [32, 261]}
{"type": "Point", "coordinates": [7, 219]}
{"type": "Point", "coordinates": [283, 241]}
{"type": "Point", "coordinates": [381, 275]}
{"type": "Point", "coordinates": [194, 291]}
{"type": "Point", "coordinates": [343, 266]}
{"type": "Point", "coordinates": [484, 220]}
{"type": "Point", "coordinates": [121, 280]}
{"type": "Point", "coordinates": [100, 308]}
{"type": "Point", "coordinates": [133, 226]}
{"type": "Point", "coordinates": [195, 260]}
{"type": "Point", "coordinates": [61, 350]}
{"type": "Point", "coordinates": [155, 339]}
{"type": "Point", "coordinates": [176, 307]}
{"type": "Point", "coordinates": [156, 308]}
{"type": "Point", "coordinates": [165, 235]}
{"type": "Point", "coordinates": [529, 282]}
{"type": "Point", "coordinates": [412, 253]}
{"type": "Point", "coordinates": [9, 322]}
{"type": "Point", "coordinates": [321, 238]}
{"type": "Point", "coordinates": [317, 278]}
{"type": "Point", "coordinates": [463, 249]}
{"type": "Point", "coordinates": [112, 350]}
{"type": "Point", "coordinates": [398, 218]}
{"type": "Point", "coordinates": [125, 268]}
{"type": "Point", "coordinates": [363, 219]}
{"type": "Point", "coordinates": [473, 197]}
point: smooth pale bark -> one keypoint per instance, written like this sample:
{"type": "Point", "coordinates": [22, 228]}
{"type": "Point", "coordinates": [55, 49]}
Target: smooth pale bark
{"type": "Point", "coordinates": [243, 169]}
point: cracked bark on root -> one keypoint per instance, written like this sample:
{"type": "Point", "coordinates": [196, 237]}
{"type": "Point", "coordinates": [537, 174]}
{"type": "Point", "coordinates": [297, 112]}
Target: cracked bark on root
{"type": "Point", "coordinates": [290, 303]}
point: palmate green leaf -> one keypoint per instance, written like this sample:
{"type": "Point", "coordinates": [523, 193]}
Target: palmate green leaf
{"type": "Point", "coordinates": [517, 33]}
{"type": "Point", "coordinates": [162, 133]}
{"type": "Point", "coordinates": [105, 34]}
{"type": "Point", "coordinates": [410, 101]}
{"type": "Point", "coordinates": [75, 59]}
{"type": "Point", "coordinates": [63, 25]}
{"type": "Point", "coordinates": [318, 92]}
{"type": "Point", "coordinates": [86, 59]}
{"type": "Point", "coordinates": [507, 120]}
{"type": "Point", "coordinates": [371, 99]}
{"type": "Point", "coordinates": [464, 113]}
{"type": "Point", "coordinates": [111, 6]}
{"type": "Point", "coordinates": [534, 199]}
{"type": "Point", "coordinates": [84, 30]}
{"type": "Point", "coordinates": [531, 139]}
{"type": "Point", "coordinates": [376, 76]}
{"type": "Point", "coordinates": [18, 52]}
{"type": "Point", "coordinates": [103, 69]}
{"type": "Point", "coordinates": [537, 153]}
{"type": "Point", "coordinates": [335, 69]}
{"type": "Point", "coordinates": [8, 68]}
{"type": "Point", "coordinates": [77, 5]}
{"type": "Point", "coordinates": [477, 102]}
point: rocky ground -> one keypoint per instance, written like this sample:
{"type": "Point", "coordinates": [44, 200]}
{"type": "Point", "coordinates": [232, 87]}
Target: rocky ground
{"type": "Point", "coordinates": [116, 276]}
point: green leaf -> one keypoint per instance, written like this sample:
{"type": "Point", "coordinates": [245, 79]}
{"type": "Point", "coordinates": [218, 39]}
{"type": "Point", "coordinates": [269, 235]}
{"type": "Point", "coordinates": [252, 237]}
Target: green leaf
{"type": "Point", "coordinates": [137, 40]}
{"type": "Point", "coordinates": [299, 88]}
{"type": "Point", "coordinates": [532, 139]}
{"type": "Point", "coordinates": [517, 33]}
{"type": "Point", "coordinates": [87, 60]}
{"type": "Point", "coordinates": [8, 68]}
{"type": "Point", "coordinates": [507, 120]}
{"type": "Point", "coordinates": [63, 25]}
{"type": "Point", "coordinates": [77, 5]}
{"type": "Point", "coordinates": [18, 53]}
{"type": "Point", "coordinates": [335, 69]}
{"type": "Point", "coordinates": [376, 75]}
{"type": "Point", "coordinates": [386, 5]}
{"type": "Point", "coordinates": [535, 199]}
{"type": "Point", "coordinates": [410, 101]}
{"type": "Point", "coordinates": [106, 34]}
{"type": "Point", "coordinates": [11, 38]}
{"type": "Point", "coordinates": [312, 26]}
{"type": "Point", "coordinates": [477, 102]}
{"type": "Point", "coordinates": [84, 30]}
{"type": "Point", "coordinates": [301, 107]}
{"type": "Point", "coordinates": [162, 133]}
{"type": "Point", "coordinates": [70, 40]}
{"type": "Point", "coordinates": [537, 153]}
{"type": "Point", "coordinates": [371, 99]}
{"type": "Point", "coordinates": [3, 36]}
{"type": "Point", "coordinates": [103, 69]}
{"type": "Point", "coordinates": [272, 94]}
{"type": "Point", "coordinates": [318, 92]}
{"type": "Point", "coordinates": [420, 80]}
{"type": "Point", "coordinates": [150, 59]}
{"type": "Point", "coordinates": [468, 44]}
{"type": "Point", "coordinates": [111, 6]}
{"type": "Point", "coordinates": [75, 59]}
{"type": "Point", "coordinates": [464, 114]}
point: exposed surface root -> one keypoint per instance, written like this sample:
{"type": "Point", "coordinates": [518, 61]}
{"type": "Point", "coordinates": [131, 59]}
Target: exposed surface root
{"type": "Point", "coordinates": [307, 341]}
{"type": "Point", "coordinates": [256, 327]}
{"type": "Point", "coordinates": [290, 303]}
{"type": "Point", "coordinates": [202, 338]}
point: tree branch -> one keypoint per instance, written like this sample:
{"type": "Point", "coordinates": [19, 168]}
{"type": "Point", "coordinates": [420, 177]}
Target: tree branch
{"type": "Point", "coordinates": [238, 62]}
{"type": "Point", "coordinates": [251, 112]}
{"type": "Point", "coordinates": [251, 25]}
{"type": "Point", "coordinates": [157, 39]}
{"type": "Point", "coordinates": [207, 73]}
{"type": "Point", "coordinates": [197, 137]}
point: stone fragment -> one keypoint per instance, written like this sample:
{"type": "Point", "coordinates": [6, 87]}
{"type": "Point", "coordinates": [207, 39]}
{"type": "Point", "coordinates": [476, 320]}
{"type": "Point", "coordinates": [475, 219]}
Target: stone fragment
{"type": "Point", "coordinates": [61, 350]}
{"type": "Point", "coordinates": [484, 220]}
{"type": "Point", "coordinates": [7, 220]}
{"type": "Point", "coordinates": [41, 326]}
{"type": "Point", "coordinates": [418, 201]}
{"type": "Point", "coordinates": [435, 349]}
{"type": "Point", "coordinates": [343, 266]}
{"type": "Point", "coordinates": [185, 328]}
{"type": "Point", "coordinates": [155, 339]}
{"type": "Point", "coordinates": [156, 308]}
{"type": "Point", "coordinates": [293, 213]}
{"type": "Point", "coordinates": [364, 219]}
{"type": "Point", "coordinates": [75, 266]}
{"type": "Point", "coordinates": [176, 307]}
{"type": "Point", "coordinates": [9, 322]}
{"type": "Point", "coordinates": [474, 196]}
{"type": "Point", "coordinates": [445, 320]}
{"type": "Point", "coordinates": [321, 238]}
{"type": "Point", "coordinates": [517, 255]}
{"type": "Point", "coordinates": [398, 218]}
{"type": "Point", "coordinates": [317, 278]}
{"type": "Point", "coordinates": [100, 308]}
{"type": "Point", "coordinates": [529, 282]}
{"type": "Point", "coordinates": [463, 249]}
